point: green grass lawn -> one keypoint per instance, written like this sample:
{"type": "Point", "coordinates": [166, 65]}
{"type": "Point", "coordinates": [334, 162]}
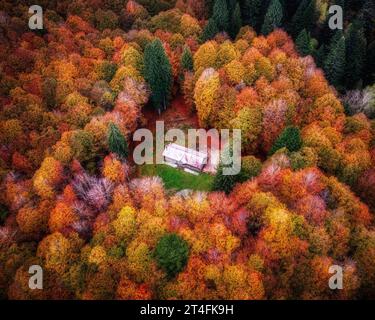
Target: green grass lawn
{"type": "Point", "coordinates": [176, 178]}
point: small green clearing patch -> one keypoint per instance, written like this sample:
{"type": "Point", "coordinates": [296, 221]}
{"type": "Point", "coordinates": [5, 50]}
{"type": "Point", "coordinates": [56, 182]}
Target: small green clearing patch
{"type": "Point", "coordinates": [177, 179]}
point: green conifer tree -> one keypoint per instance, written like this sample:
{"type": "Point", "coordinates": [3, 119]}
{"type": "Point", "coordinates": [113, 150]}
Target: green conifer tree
{"type": "Point", "coordinates": [236, 21]}
{"type": "Point", "coordinates": [320, 56]}
{"type": "Point", "coordinates": [355, 54]}
{"type": "Point", "coordinates": [304, 18]}
{"type": "Point", "coordinates": [273, 17]}
{"type": "Point", "coordinates": [290, 138]}
{"type": "Point", "coordinates": [303, 43]}
{"type": "Point", "coordinates": [225, 182]}
{"type": "Point", "coordinates": [117, 142]}
{"type": "Point", "coordinates": [334, 64]}
{"type": "Point", "coordinates": [220, 14]}
{"type": "Point", "coordinates": [187, 63]}
{"type": "Point", "coordinates": [250, 10]}
{"type": "Point", "coordinates": [158, 74]}
{"type": "Point", "coordinates": [369, 75]}
{"type": "Point", "coordinates": [210, 30]}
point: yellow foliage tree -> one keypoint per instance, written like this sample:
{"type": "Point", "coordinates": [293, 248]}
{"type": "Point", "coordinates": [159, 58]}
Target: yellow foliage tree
{"type": "Point", "coordinates": [205, 94]}
{"type": "Point", "coordinates": [190, 26]}
{"type": "Point", "coordinates": [55, 250]}
{"type": "Point", "coordinates": [235, 71]}
{"type": "Point", "coordinates": [139, 261]}
{"type": "Point", "coordinates": [206, 56]}
{"type": "Point", "coordinates": [125, 224]}
{"type": "Point", "coordinates": [48, 177]}
{"type": "Point", "coordinates": [227, 52]}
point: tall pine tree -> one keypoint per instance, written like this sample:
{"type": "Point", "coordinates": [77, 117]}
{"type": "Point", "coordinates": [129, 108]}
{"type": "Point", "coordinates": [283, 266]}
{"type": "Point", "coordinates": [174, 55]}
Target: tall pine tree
{"type": "Point", "coordinates": [369, 75]}
{"type": "Point", "coordinates": [225, 182]}
{"type": "Point", "coordinates": [251, 10]}
{"type": "Point", "coordinates": [158, 74]}
{"type": "Point", "coordinates": [187, 60]}
{"type": "Point", "coordinates": [355, 54]}
{"type": "Point", "coordinates": [273, 17]}
{"type": "Point", "coordinates": [304, 18]}
{"type": "Point", "coordinates": [235, 22]}
{"type": "Point", "coordinates": [210, 30]}
{"type": "Point", "coordinates": [117, 142]}
{"type": "Point", "coordinates": [290, 8]}
{"type": "Point", "coordinates": [220, 14]}
{"type": "Point", "coordinates": [334, 64]}
{"type": "Point", "coordinates": [303, 43]}
{"type": "Point", "coordinates": [320, 56]}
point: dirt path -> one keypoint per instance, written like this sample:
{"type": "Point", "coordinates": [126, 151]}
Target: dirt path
{"type": "Point", "coordinates": [177, 115]}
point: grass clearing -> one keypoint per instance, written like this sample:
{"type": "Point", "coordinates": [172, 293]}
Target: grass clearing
{"type": "Point", "coordinates": [177, 179]}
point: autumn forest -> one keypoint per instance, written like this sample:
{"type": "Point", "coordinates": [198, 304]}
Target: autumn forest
{"type": "Point", "coordinates": [74, 203]}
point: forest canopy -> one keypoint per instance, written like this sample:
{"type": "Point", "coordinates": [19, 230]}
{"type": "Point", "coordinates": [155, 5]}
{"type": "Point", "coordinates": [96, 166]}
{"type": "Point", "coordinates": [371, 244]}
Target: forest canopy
{"type": "Point", "coordinates": [73, 93]}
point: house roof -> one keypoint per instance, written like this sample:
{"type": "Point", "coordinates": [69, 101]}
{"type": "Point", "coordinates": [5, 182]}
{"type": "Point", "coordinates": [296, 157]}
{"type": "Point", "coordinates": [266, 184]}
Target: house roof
{"type": "Point", "coordinates": [185, 155]}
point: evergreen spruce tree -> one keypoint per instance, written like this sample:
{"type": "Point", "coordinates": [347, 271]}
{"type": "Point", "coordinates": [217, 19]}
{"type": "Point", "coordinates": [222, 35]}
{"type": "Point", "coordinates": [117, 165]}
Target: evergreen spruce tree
{"type": "Point", "coordinates": [290, 8]}
{"type": "Point", "coordinates": [355, 54]}
{"type": "Point", "coordinates": [335, 39]}
{"type": "Point", "coordinates": [304, 18]}
{"type": "Point", "coordinates": [320, 56]}
{"type": "Point", "coordinates": [158, 74]}
{"type": "Point", "coordinates": [334, 64]}
{"type": "Point", "coordinates": [273, 17]}
{"type": "Point", "coordinates": [236, 21]}
{"type": "Point", "coordinates": [251, 12]}
{"type": "Point", "coordinates": [117, 142]}
{"type": "Point", "coordinates": [303, 43]}
{"type": "Point", "coordinates": [187, 63]}
{"type": "Point", "coordinates": [310, 15]}
{"type": "Point", "coordinates": [297, 21]}
{"type": "Point", "coordinates": [210, 30]}
{"type": "Point", "coordinates": [231, 4]}
{"type": "Point", "coordinates": [369, 75]}
{"type": "Point", "coordinates": [220, 14]}
{"type": "Point", "coordinates": [290, 138]}
{"type": "Point", "coordinates": [225, 182]}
